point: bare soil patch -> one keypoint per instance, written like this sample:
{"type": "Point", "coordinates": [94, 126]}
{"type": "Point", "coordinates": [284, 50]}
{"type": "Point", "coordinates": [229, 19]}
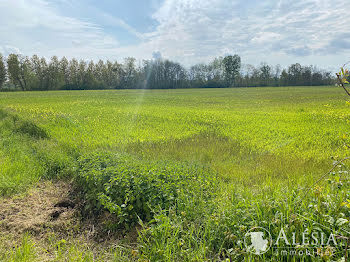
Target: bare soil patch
{"type": "Point", "coordinates": [49, 215]}
{"type": "Point", "coordinates": [38, 210]}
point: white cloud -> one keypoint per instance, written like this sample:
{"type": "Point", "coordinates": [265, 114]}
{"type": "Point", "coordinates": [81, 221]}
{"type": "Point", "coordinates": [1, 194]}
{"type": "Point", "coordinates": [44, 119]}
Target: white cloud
{"type": "Point", "coordinates": [266, 37]}
{"type": "Point", "coordinates": [35, 26]}
{"type": "Point", "coordinates": [191, 31]}
{"type": "Point", "coordinates": [257, 30]}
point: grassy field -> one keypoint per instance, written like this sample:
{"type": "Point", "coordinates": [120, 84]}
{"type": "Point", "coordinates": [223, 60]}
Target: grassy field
{"type": "Point", "coordinates": [223, 161]}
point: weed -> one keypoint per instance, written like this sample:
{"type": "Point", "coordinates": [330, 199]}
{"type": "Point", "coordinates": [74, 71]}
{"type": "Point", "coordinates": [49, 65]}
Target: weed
{"type": "Point", "coordinates": [132, 189]}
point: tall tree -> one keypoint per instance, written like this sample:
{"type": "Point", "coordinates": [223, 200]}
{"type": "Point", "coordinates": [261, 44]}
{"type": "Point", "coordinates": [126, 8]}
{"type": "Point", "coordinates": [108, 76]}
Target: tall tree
{"type": "Point", "coordinates": [232, 65]}
{"type": "Point", "coordinates": [73, 68]}
{"type": "Point", "coordinates": [17, 70]}
{"type": "Point", "coordinates": [36, 74]}
{"type": "Point", "coordinates": [265, 74]}
{"type": "Point", "coordinates": [100, 70]}
{"type": "Point", "coordinates": [90, 77]}
{"type": "Point", "coordinates": [284, 78]}
{"type": "Point", "coordinates": [110, 74]}
{"type": "Point", "coordinates": [2, 71]}
{"type": "Point", "coordinates": [277, 75]}
{"type": "Point", "coordinates": [82, 74]}
{"type": "Point", "coordinates": [55, 75]}
{"type": "Point", "coordinates": [294, 72]}
{"type": "Point", "coordinates": [129, 73]}
{"type": "Point", "coordinates": [40, 69]}
{"type": "Point", "coordinates": [63, 67]}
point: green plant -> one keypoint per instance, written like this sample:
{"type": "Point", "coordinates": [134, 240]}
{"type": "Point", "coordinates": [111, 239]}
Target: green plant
{"type": "Point", "coordinates": [132, 189]}
{"type": "Point", "coordinates": [31, 129]}
{"type": "Point", "coordinates": [24, 252]}
{"type": "Point", "coordinates": [268, 147]}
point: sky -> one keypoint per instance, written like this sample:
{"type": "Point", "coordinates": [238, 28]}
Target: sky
{"type": "Point", "coordinates": [311, 32]}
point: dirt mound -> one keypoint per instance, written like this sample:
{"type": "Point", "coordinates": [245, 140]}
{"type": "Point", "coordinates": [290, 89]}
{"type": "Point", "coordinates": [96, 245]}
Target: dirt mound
{"type": "Point", "coordinates": [45, 206]}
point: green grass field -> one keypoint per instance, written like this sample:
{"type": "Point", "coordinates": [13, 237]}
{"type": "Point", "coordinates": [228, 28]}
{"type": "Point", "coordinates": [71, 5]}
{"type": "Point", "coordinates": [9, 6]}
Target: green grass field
{"type": "Point", "coordinates": [264, 147]}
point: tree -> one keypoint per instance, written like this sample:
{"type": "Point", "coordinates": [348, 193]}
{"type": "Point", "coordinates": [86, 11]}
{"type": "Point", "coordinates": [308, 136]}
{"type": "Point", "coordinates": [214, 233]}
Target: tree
{"type": "Point", "coordinates": [197, 75]}
{"type": "Point", "coordinates": [306, 76]}
{"type": "Point", "coordinates": [161, 73]}
{"type": "Point", "coordinates": [249, 73]}
{"type": "Point", "coordinates": [294, 72]}
{"type": "Point", "coordinates": [36, 74]}
{"type": "Point", "coordinates": [28, 74]}
{"type": "Point", "coordinates": [265, 74]}
{"type": "Point", "coordinates": [56, 78]}
{"type": "Point", "coordinates": [17, 71]}
{"type": "Point", "coordinates": [2, 71]}
{"type": "Point", "coordinates": [63, 67]}
{"type": "Point", "coordinates": [40, 68]}
{"type": "Point", "coordinates": [128, 73]}
{"type": "Point", "coordinates": [277, 75]}
{"type": "Point", "coordinates": [73, 79]}
{"type": "Point", "coordinates": [110, 75]}
{"type": "Point", "coordinates": [232, 65]}
{"type": "Point", "coordinates": [284, 78]}
{"type": "Point", "coordinates": [82, 74]}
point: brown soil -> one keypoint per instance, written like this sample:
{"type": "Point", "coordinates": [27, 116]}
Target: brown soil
{"type": "Point", "coordinates": [37, 211]}
{"type": "Point", "coordinates": [46, 210]}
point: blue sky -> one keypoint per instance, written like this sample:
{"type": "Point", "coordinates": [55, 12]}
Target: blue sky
{"type": "Point", "coordinates": [282, 32]}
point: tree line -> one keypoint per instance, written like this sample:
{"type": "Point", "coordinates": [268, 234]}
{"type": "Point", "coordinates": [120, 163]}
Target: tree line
{"type": "Point", "coordinates": [19, 72]}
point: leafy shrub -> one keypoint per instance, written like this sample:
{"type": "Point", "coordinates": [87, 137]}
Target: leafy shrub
{"type": "Point", "coordinates": [215, 230]}
{"type": "Point", "coordinates": [133, 189]}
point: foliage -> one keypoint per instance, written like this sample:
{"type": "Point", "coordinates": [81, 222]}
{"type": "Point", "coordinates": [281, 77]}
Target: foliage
{"type": "Point", "coordinates": [27, 154]}
{"type": "Point", "coordinates": [232, 65]}
{"type": "Point", "coordinates": [344, 73]}
{"type": "Point", "coordinates": [22, 253]}
{"type": "Point", "coordinates": [3, 71]}
{"type": "Point", "coordinates": [132, 189]}
{"type": "Point", "coordinates": [31, 129]}
{"type": "Point", "coordinates": [16, 70]}
{"type": "Point", "coordinates": [294, 75]}
{"type": "Point", "coordinates": [163, 74]}
{"type": "Point", "coordinates": [215, 230]}
{"type": "Point", "coordinates": [34, 73]}
{"type": "Point", "coordinates": [268, 146]}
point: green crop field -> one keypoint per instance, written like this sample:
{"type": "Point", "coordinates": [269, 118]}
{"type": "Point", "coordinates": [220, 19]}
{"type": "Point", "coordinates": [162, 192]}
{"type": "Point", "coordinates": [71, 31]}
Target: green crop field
{"type": "Point", "coordinates": [209, 163]}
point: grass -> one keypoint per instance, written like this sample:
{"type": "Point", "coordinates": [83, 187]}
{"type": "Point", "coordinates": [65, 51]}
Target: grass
{"type": "Point", "coordinates": [27, 154]}
{"type": "Point", "coordinates": [266, 145]}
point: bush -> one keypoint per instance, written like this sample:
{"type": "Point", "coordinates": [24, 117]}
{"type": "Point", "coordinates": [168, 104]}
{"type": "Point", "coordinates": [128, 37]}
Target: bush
{"type": "Point", "coordinates": [133, 189]}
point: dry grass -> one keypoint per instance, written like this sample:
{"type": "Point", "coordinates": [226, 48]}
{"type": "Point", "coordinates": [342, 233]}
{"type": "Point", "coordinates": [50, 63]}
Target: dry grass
{"type": "Point", "coordinates": [44, 219]}
{"type": "Point", "coordinates": [33, 212]}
